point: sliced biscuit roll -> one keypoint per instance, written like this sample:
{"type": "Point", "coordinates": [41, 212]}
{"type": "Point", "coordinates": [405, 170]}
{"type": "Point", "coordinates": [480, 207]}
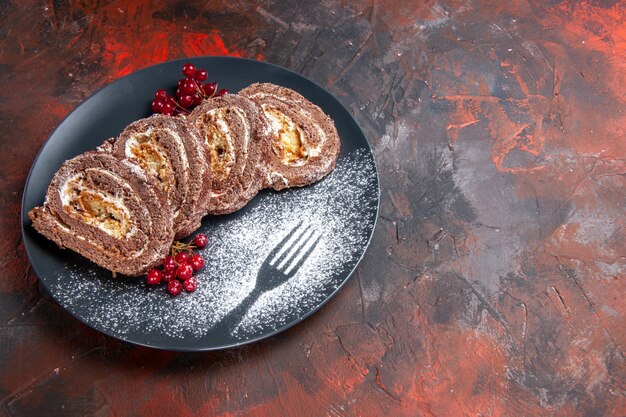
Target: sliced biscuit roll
{"type": "Point", "coordinates": [169, 149]}
{"type": "Point", "coordinates": [304, 141]}
{"type": "Point", "coordinates": [109, 211]}
{"type": "Point", "coordinates": [227, 126]}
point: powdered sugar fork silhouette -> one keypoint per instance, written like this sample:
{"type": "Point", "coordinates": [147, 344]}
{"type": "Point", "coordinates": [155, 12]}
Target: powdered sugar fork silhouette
{"type": "Point", "coordinates": [282, 263]}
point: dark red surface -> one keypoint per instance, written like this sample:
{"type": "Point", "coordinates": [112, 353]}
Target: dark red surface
{"type": "Point", "coordinates": [494, 284]}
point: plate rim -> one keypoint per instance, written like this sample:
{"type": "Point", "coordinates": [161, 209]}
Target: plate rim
{"type": "Point", "coordinates": [25, 221]}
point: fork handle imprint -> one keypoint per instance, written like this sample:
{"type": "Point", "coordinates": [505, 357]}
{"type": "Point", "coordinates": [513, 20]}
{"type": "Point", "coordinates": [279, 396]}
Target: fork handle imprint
{"type": "Point", "coordinates": [230, 321]}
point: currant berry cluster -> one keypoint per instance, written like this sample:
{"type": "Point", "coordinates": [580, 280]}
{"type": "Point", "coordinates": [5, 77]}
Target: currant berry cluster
{"type": "Point", "coordinates": [177, 269]}
{"type": "Point", "coordinates": [190, 91]}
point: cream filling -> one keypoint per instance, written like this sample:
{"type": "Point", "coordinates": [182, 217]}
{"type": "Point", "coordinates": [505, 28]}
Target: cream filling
{"type": "Point", "coordinates": [317, 149]}
{"type": "Point", "coordinates": [102, 210]}
{"type": "Point", "coordinates": [246, 136]}
{"type": "Point", "coordinates": [134, 142]}
{"type": "Point", "coordinates": [213, 194]}
{"type": "Point", "coordinates": [293, 148]}
{"type": "Point", "coordinates": [311, 150]}
{"type": "Point", "coordinates": [277, 176]}
{"type": "Point", "coordinates": [145, 213]}
{"type": "Point", "coordinates": [223, 148]}
{"type": "Point", "coordinates": [69, 232]}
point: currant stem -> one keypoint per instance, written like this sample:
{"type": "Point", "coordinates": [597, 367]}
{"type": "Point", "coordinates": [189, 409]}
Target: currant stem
{"type": "Point", "coordinates": [178, 247]}
{"type": "Point", "coordinates": [181, 108]}
{"type": "Point", "coordinates": [201, 90]}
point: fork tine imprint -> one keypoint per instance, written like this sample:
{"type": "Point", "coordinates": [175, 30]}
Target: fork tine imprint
{"type": "Point", "coordinates": [290, 252]}
{"type": "Point", "coordinates": [296, 265]}
{"type": "Point", "coordinates": [282, 243]}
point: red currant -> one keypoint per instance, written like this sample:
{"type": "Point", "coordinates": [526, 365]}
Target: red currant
{"type": "Point", "coordinates": [189, 70]}
{"type": "Point", "coordinates": [197, 98]}
{"type": "Point", "coordinates": [157, 106]}
{"type": "Point", "coordinates": [185, 101]}
{"type": "Point", "coordinates": [201, 240]}
{"type": "Point", "coordinates": [174, 287]}
{"type": "Point", "coordinates": [160, 95]}
{"type": "Point", "coordinates": [209, 89]}
{"type": "Point", "coordinates": [168, 109]}
{"type": "Point", "coordinates": [169, 264]}
{"type": "Point", "coordinates": [153, 277]}
{"type": "Point", "coordinates": [197, 262]}
{"type": "Point", "coordinates": [179, 92]}
{"type": "Point", "coordinates": [182, 258]}
{"type": "Point", "coordinates": [190, 285]}
{"type": "Point", "coordinates": [167, 276]}
{"type": "Point", "coordinates": [189, 87]}
{"type": "Point", "coordinates": [201, 75]}
{"type": "Point", "coordinates": [184, 271]}
{"type": "Point", "coordinates": [180, 82]}
{"type": "Point", "coordinates": [222, 92]}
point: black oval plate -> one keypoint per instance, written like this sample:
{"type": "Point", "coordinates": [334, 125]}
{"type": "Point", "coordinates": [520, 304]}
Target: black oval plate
{"type": "Point", "coordinates": [341, 210]}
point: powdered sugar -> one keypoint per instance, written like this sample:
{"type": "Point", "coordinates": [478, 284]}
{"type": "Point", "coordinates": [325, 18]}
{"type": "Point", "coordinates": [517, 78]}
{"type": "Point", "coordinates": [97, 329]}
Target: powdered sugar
{"type": "Point", "coordinates": [341, 208]}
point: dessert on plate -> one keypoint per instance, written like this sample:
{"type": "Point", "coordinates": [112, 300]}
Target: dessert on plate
{"type": "Point", "coordinates": [303, 140]}
{"type": "Point", "coordinates": [109, 211]}
{"type": "Point", "coordinates": [169, 149]}
{"type": "Point", "coordinates": [122, 205]}
{"type": "Point", "coordinates": [228, 127]}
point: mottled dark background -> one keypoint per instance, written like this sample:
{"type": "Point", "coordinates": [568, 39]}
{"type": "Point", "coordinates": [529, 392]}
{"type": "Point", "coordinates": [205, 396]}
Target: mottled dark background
{"type": "Point", "coordinates": [494, 284]}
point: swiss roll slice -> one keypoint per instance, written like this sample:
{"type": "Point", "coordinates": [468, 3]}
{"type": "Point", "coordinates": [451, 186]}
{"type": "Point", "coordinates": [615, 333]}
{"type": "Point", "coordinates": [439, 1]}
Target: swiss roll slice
{"type": "Point", "coordinates": [170, 150]}
{"type": "Point", "coordinates": [109, 211]}
{"type": "Point", "coordinates": [304, 144]}
{"type": "Point", "coordinates": [228, 127]}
